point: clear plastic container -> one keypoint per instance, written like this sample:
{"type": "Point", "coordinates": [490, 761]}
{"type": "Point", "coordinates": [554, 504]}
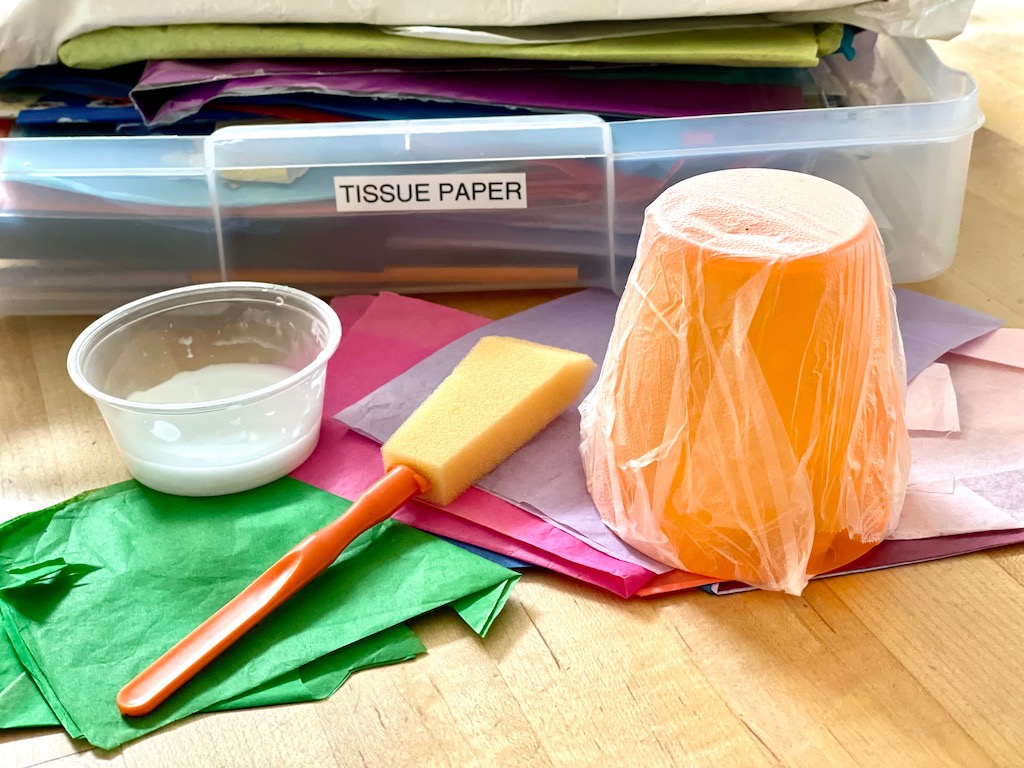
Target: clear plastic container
{"type": "Point", "coordinates": [81, 230]}
{"type": "Point", "coordinates": [87, 223]}
{"type": "Point", "coordinates": [210, 389]}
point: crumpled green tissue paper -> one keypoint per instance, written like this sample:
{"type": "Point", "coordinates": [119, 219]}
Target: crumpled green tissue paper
{"type": "Point", "coordinates": [95, 588]}
{"type": "Point", "coordinates": [22, 705]}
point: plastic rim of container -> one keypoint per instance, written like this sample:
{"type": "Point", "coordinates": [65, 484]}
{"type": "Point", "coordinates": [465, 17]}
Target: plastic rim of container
{"type": "Point", "coordinates": [192, 294]}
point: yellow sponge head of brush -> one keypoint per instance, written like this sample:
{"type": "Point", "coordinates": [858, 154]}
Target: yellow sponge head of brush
{"type": "Point", "coordinates": [498, 397]}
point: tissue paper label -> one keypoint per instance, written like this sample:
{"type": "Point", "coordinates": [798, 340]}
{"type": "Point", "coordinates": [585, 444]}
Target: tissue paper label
{"type": "Point", "coordinates": [441, 192]}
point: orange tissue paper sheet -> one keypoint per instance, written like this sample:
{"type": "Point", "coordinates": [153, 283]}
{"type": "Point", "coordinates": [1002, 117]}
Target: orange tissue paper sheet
{"type": "Point", "coordinates": [748, 422]}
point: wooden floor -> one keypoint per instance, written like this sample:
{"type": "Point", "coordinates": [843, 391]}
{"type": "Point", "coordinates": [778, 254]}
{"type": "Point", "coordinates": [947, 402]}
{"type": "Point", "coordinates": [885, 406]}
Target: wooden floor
{"type": "Point", "coordinates": [921, 665]}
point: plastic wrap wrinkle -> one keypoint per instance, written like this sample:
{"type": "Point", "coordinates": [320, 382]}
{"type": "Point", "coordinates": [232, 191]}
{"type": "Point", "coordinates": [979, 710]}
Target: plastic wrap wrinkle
{"type": "Point", "coordinates": [748, 421]}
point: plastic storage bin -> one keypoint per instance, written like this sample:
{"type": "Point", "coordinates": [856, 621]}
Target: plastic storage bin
{"type": "Point", "coordinates": [432, 205]}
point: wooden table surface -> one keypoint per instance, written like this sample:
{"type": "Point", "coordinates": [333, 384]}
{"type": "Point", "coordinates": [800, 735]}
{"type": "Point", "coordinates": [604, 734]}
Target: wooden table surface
{"type": "Point", "coordinates": [921, 665]}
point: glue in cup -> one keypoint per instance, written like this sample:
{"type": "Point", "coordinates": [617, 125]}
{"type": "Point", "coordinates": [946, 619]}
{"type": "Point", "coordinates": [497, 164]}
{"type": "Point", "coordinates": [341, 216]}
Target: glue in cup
{"type": "Point", "coordinates": [210, 389]}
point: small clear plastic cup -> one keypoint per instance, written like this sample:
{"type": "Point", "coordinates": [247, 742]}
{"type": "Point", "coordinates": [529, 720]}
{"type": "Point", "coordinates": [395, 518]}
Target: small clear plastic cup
{"type": "Point", "coordinates": [210, 389]}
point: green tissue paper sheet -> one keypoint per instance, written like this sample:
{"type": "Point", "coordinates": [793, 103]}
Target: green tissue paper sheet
{"type": "Point", "coordinates": [798, 45]}
{"type": "Point", "coordinates": [94, 589]}
{"type": "Point", "coordinates": [22, 705]}
{"type": "Point", "coordinates": [321, 677]}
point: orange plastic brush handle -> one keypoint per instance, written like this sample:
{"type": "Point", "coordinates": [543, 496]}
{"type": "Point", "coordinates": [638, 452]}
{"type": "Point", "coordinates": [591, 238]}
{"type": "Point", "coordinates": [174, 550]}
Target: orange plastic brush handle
{"type": "Point", "coordinates": [279, 582]}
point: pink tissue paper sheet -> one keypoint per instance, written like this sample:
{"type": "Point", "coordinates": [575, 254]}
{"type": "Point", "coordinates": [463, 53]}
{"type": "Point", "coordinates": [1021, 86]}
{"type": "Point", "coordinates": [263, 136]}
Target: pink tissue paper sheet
{"type": "Point", "coordinates": [1004, 346]}
{"type": "Point", "coordinates": [991, 438]}
{"type": "Point", "coordinates": [931, 402]}
{"type": "Point", "coordinates": [973, 480]}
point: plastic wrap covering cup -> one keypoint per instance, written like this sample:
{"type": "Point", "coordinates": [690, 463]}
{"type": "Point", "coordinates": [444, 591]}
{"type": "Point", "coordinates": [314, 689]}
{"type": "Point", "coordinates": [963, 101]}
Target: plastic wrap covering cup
{"type": "Point", "coordinates": [748, 420]}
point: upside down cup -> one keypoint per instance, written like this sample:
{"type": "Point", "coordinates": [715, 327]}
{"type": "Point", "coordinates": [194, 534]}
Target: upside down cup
{"type": "Point", "coordinates": [748, 420]}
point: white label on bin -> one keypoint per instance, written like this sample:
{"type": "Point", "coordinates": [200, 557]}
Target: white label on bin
{"type": "Point", "coordinates": [441, 192]}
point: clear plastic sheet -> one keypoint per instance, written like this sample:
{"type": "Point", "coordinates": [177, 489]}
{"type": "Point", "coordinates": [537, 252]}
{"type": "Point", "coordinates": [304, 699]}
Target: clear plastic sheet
{"type": "Point", "coordinates": [748, 422]}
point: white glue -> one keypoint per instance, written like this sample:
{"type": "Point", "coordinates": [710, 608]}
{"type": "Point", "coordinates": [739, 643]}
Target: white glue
{"type": "Point", "coordinates": [223, 450]}
{"type": "Point", "coordinates": [214, 382]}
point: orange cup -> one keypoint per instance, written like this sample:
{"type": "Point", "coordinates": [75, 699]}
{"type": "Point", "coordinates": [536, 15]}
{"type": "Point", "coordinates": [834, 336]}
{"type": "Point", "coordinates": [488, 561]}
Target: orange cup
{"type": "Point", "coordinates": [748, 422]}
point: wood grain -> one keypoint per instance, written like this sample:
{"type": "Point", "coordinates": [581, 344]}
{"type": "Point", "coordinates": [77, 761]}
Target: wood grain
{"type": "Point", "coordinates": [916, 666]}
